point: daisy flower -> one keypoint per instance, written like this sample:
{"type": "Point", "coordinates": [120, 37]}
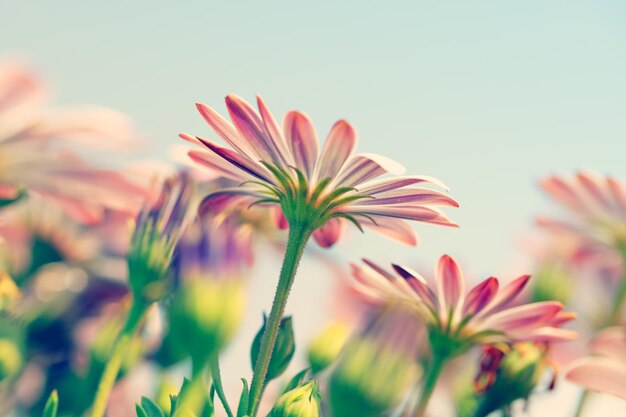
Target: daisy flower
{"type": "Point", "coordinates": [597, 206]}
{"type": "Point", "coordinates": [606, 370]}
{"type": "Point", "coordinates": [319, 190]}
{"type": "Point", "coordinates": [33, 163]}
{"type": "Point", "coordinates": [460, 319]}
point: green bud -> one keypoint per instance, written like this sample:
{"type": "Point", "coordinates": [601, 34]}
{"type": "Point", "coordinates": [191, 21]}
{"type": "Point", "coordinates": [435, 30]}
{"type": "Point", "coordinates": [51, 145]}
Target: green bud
{"type": "Point", "coordinates": [204, 315]}
{"type": "Point", "coordinates": [164, 392]}
{"type": "Point", "coordinates": [11, 359]}
{"type": "Point", "coordinates": [552, 283]}
{"type": "Point", "coordinates": [158, 227]}
{"type": "Point", "coordinates": [515, 376]}
{"type": "Point", "coordinates": [326, 347]}
{"type": "Point", "coordinates": [302, 401]}
{"type": "Point", "coordinates": [369, 379]}
{"type": "Point", "coordinates": [284, 348]}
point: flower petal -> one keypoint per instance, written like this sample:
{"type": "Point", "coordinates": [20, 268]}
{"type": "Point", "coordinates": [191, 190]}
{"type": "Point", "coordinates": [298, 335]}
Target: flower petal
{"type": "Point", "coordinates": [599, 374]}
{"type": "Point", "coordinates": [302, 141]}
{"type": "Point", "coordinates": [363, 167]}
{"type": "Point", "coordinates": [327, 235]}
{"type": "Point", "coordinates": [450, 284]}
{"type": "Point", "coordinates": [226, 131]}
{"type": "Point", "coordinates": [238, 160]}
{"type": "Point", "coordinates": [388, 184]}
{"type": "Point", "coordinates": [480, 296]}
{"type": "Point", "coordinates": [527, 315]}
{"type": "Point", "coordinates": [421, 196]}
{"type": "Point", "coordinates": [220, 165]}
{"type": "Point", "coordinates": [395, 229]}
{"type": "Point", "coordinates": [418, 284]}
{"type": "Point", "coordinates": [251, 128]}
{"type": "Point", "coordinates": [273, 129]}
{"type": "Point", "coordinates": [338, 148]}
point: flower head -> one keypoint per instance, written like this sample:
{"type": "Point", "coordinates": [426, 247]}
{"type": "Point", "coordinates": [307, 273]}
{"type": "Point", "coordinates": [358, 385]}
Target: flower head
{"type": "Point", "coordinates": [209, 302]}
{"type": "Point", "coordinates": [32, 162]}
{"type": "Point", "coordinates": [377, 367]}
{"type": "Point", "coordinates": [606, 370]}
{"type": "Point", "coordinates": [509, 372]}
{"type": "Point", "coordinates": [461, 319]}
{"type": "Point", "coordinates": [302, 401]}
{"type": "Point", "coordinates": [158, 227]}
{"type": "Point", "coordinates": [317, 189]}
{"type": "Point", "coordinates": [598, 206]}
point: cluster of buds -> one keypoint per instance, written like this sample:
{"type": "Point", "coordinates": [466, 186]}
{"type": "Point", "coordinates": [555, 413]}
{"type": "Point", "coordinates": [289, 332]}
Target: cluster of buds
{"type": "Point", "coordinates": [377, 367]}
{"type": "Point", "coordinates": [509, 372]}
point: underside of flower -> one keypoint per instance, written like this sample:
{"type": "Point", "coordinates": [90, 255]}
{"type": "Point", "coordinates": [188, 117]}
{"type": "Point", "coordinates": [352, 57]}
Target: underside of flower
{"type": "Point", "coordinates": [319, 189]}
{"type": "Point", "coordinates": [458, 320]}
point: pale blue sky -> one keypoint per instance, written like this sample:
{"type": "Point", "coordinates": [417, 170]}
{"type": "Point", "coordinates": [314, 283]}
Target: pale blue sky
{"type": "Point", "coordinates": [486, 95]}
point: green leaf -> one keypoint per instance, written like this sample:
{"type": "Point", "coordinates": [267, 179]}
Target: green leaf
{"type": "Point", "coordinates": [284, 348]}
{"type": "Point", "coordinates": [140, 411]}
{"type": "Point", "coordinates": [151, 409]}
{"type": "Point", "coordinates": [242, 408]}
{"type": "Point", "coordinates": [52, 405]}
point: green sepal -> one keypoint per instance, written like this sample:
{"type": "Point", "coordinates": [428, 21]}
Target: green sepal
{"type": "Point", "coordinates": [52, 405]}
{"type": "Point", "coordinates": [151, 409]}
{"type": "Point", "coordinates": [296, 380]}
{"type": "Point", "coordinates": [242, 408]}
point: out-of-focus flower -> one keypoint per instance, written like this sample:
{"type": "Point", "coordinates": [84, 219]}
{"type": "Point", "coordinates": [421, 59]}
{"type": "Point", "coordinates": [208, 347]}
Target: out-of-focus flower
{"type": "Point", "coordinates": [598, 206]}
{"type": "Point", "coordinates": [510, 372]}
{"type": "Point", "coordinates": [458, 320]}
{"type": "Point", "coordinates": [158, 227]}
{"type": "Point", "coordinates": [378, 366]}
{"type": "Point", "coordinates": [606, 370]}
{"type": "Point", "coordinates": [326, 346]}
{"type": "Point", "coordinates": [33, 235]}
{"type": "Point", "coordinates": [302, 401]}
{"type": "Point", "coordinates": [318, 190]}
{"type": "Point", "coordinates": [11, 359]}
{"type": "Point", "coordinates": [9, 292]}
{"type": "Point", "coordinates": [208, 306]}
{"type": "Point", "coordinates": [284, 348]}
{"type": "Point", "coordinates": [32, 162]}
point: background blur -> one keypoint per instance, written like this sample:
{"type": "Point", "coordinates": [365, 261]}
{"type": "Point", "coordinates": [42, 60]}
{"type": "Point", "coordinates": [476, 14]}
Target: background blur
{"type": "Point", "coordinates": [487, 96]}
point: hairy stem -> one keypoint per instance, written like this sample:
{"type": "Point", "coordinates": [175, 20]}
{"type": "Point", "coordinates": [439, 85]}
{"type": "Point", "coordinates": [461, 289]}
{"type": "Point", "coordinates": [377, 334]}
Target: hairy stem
{"type": "Point", "coordinates": [120, 348]}
{"type": "Point", "coordinates": [298, 236]}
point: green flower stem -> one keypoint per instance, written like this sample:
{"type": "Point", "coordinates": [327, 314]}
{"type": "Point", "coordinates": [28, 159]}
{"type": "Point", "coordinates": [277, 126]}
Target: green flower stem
{"type": "Point", "coordinates": [299, 235]}
{"type": "Point", "coordinates": [120, 348]}
{"type": "Point", "coordinates": [217, 383]}
{"type": "Point", "coordinates": [431, 376]}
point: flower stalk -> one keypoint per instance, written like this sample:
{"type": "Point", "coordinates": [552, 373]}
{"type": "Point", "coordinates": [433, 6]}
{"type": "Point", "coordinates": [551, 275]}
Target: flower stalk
{"type": "Point", "coordinates": [112, 368]}
{"type": "Point", "coordinates": [299, 234]}
{"type": "Point", "coordinates": [431, 376]}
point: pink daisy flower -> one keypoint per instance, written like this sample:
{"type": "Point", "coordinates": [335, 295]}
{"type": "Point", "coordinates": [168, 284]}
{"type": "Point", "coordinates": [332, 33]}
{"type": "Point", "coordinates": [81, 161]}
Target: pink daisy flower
{"type": "Point", "coordinates": [606, 370]}
{"type": "Point", "coordinates": [484, 314]}
{"type": "Point", "coordinates": [33, 163]}
{"type": "Point", "coordinates": [597, 205]}
{"type": "Point", "coordinates": [321, 188]}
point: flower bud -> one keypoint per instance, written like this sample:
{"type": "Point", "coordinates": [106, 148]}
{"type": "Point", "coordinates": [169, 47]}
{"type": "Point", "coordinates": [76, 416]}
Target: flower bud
{"type": "Point", "coordinates": [284, 348]}
{"type": "Point", "coordinates": [509, 373]}
{"type": "Point", "coordinates": [204, 315]}
{"type": "Point", "coordinates": [11, 359]}
{"type": "Point", "coordinates": [325, 348]}
{"type": "Point", "coordinates": [157, 230]}
{"type": "Point", "coordinates": [552, 283]}
{"type": "Point", "coordinates": [302, 401]}
{"type": "Point", "coordinates": [377, 367]}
